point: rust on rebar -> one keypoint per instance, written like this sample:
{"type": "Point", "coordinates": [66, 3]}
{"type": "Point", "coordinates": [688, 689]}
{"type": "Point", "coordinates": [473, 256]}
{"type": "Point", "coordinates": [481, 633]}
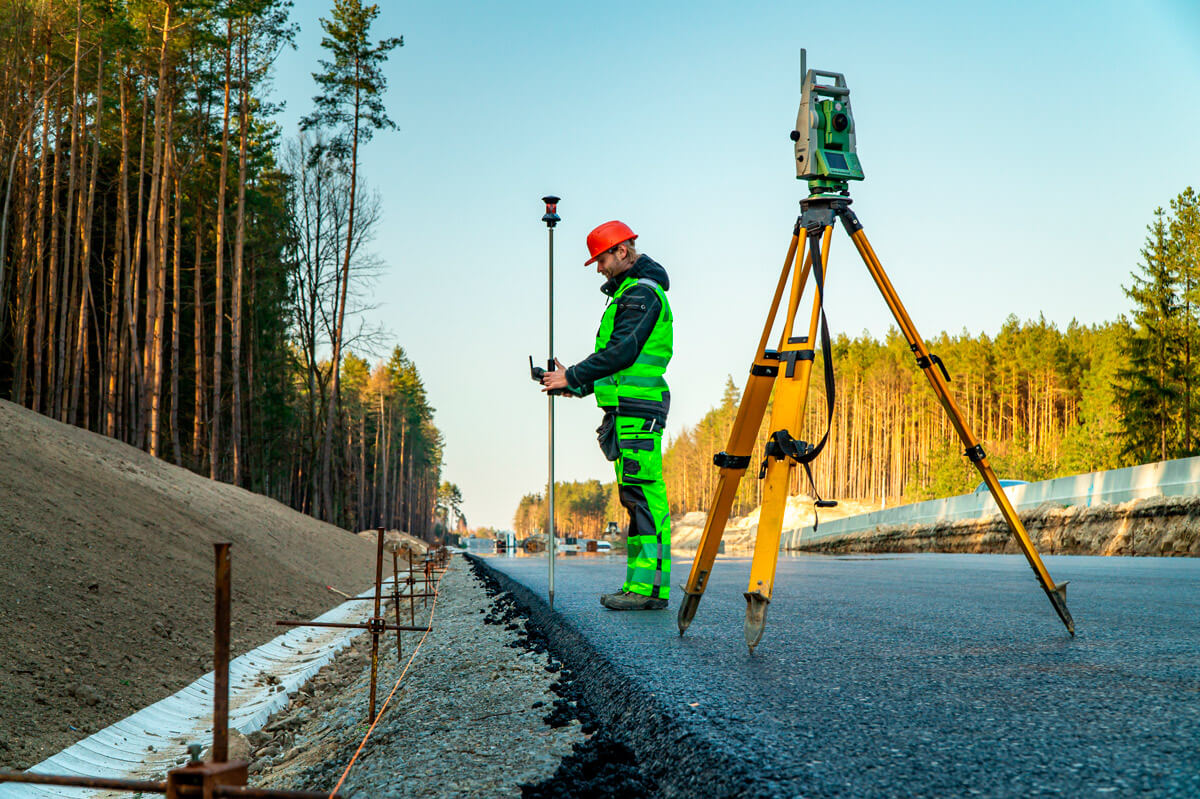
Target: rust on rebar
{"type": "Point", "coordinates": [220, 744]}
{"type": "Point", "coordinates": [146, 786]}
{"type": "Point", "coordinates": [374, 624]}
{"type": "Point", "coordinates": [396, 599]}
{"type": "Point", "coordinates": [84, 782]}
{"type": "Point", "coordinates": [412, 600]}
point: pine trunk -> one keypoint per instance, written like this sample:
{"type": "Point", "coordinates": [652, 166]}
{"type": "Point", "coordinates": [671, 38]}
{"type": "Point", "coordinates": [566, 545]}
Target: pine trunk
{"type": "Point", "coordinates": [214, 437]}
{"type": "Point", "coordinates": [238, 263]}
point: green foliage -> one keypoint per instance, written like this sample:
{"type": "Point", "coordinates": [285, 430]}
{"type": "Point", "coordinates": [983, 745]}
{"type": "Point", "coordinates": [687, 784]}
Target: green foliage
{"type": "Point", "coordinates": [1045, 402]}
{"type": "Point", "coordinates": [352, 84]}
{"type": "Point", "coordinates": [1039, 398]}
{"type": "Point", "coordinates": [945, 473]}
{"type": "Point", "coordinates": [449, 506]}
{"type": "Point", "coordinates": [393, 452]}
{"type": "Point", "coordinates": [1156, 389]}
{"type": "Point", "coordinates": [1096, 442]}
{"type": "Point", "coordinates": [580, 507]}
{"type": "Point", "coordinates": [387, 455]}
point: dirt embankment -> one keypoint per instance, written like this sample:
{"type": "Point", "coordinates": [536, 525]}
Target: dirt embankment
{"type": "Point", "coordinates": [106, 571]}
{"type": "Point", "coordinates": [1155, 526]}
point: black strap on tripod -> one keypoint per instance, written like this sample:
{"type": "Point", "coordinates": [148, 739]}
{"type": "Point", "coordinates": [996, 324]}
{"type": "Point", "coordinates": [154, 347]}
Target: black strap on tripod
{"type": "Point", "coordinates": [818, 266]}
{"type": "Point", "coordinates": [782, 444]}
{"type": "Point", "coordinates": [926, 361]}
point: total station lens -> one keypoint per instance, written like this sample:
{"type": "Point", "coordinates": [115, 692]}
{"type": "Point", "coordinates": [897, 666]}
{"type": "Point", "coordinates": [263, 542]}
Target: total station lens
{"type": "Point", "coordinates": [840, 122]}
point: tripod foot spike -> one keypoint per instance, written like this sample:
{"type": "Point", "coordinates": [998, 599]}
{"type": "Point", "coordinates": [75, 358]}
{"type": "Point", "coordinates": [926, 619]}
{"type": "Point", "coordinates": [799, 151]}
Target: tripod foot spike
{"type": "Point", "coordinates": [756, 618]}
{"type": "Point", "coordinates": [1058, 598]}
{"type": "Point", "coordinates": [687, 611]}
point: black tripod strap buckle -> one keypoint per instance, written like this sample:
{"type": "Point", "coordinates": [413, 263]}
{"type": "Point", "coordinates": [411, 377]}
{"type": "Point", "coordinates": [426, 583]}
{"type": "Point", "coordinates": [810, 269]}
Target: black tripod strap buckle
{"type": "Point", "coordinates": [782, 445]}
{"type": "Point", "coordinates": [764, 371]}
{"type": "Point", "coordinates": [723, 460]}
{"type": "Point", "coordinates": [926, 361]}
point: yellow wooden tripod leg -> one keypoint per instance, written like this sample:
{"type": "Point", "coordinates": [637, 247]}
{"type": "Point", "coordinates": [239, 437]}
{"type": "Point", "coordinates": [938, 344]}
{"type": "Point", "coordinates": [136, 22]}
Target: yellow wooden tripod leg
{"type": "Point", "coordinates": [791, 393]}
{"type": "Point", "coordinates": [741, 444]}
{"type": "Point", "coordinates": [736, 457]}
{"type": "Point", "coordinates": [931, 365]}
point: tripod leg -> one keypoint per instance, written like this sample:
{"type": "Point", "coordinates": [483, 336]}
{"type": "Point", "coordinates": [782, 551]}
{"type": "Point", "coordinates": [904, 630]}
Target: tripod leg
{"type": "Point", "coordinates": [929, 364]}
{"type": "Point", "coordinates": [796, 356]}
{"type": "Point", "coordinates": [736, 457]}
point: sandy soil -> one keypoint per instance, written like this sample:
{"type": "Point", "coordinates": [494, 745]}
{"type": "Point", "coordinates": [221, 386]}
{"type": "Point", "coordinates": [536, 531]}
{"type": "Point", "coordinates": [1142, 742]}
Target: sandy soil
{"type": "Point", "coordinates": [106, 578]}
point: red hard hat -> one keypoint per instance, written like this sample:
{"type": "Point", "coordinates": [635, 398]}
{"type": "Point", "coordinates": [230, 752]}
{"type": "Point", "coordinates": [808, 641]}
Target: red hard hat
{"type": "Point", "coordinates": [607, 236]}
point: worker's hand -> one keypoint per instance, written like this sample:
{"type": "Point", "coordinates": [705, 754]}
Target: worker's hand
{"type": "Point", "coordinates": [556, 380]}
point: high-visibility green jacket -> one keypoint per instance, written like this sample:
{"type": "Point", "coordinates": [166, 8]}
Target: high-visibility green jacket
{"type": "Point", "coordinates": [633, 346]}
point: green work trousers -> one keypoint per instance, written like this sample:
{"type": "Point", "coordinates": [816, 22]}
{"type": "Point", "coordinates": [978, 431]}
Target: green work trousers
{"type": "Point", "coordinates": [644, 495]}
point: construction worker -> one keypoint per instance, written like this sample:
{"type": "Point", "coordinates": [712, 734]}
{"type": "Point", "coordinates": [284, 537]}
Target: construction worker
{"type": "Point", "coordinates": [633, 347]}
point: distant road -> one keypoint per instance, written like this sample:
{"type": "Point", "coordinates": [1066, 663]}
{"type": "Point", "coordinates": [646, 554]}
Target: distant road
{"type": "Point", "coordinates": [904, 675]}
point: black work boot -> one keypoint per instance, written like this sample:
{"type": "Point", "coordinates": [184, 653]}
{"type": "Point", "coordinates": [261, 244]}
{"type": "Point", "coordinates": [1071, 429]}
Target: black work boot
{"type": "Point", "coordinates": [627, 600]}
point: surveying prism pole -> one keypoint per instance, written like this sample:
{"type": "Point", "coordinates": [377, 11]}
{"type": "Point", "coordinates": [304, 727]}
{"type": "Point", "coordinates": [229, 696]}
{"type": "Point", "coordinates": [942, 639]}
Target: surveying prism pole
{"type": "Point", "coordinates": [551, 219]}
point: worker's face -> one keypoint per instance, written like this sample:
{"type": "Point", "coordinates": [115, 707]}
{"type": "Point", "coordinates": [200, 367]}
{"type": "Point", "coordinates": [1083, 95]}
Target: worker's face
{"type": "Point", "coordinates": [613, 262]}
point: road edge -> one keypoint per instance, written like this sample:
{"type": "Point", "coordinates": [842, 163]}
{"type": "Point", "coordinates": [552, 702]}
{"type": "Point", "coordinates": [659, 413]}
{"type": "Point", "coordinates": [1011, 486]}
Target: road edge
{"type": "Point", "coordinates": [672, 751]}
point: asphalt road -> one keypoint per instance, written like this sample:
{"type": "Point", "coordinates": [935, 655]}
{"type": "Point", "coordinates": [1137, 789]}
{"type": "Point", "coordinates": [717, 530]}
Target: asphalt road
{"type": "Point", "coordinates": [906, 675]}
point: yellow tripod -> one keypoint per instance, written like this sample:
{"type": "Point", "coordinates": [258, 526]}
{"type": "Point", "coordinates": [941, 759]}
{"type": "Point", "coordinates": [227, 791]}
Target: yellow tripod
{"type": "Point", "coordinates": [787, 369]}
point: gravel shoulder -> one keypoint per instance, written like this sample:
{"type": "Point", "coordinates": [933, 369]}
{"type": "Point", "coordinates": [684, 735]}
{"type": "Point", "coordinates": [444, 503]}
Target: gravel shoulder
{"type": "Point", "coordinates": [483, 710]}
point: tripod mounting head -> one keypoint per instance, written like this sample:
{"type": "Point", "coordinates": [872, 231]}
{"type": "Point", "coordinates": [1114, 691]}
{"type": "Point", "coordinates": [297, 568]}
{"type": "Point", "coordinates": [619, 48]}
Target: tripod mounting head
{"type": "Point", "coordinates": [824, 134]}
{"type": "Point", "coordinates": [551, 218]}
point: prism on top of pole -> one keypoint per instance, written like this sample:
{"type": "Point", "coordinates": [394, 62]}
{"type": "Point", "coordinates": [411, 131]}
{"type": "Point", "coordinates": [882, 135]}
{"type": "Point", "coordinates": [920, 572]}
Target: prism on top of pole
{"type": "Point", "coordinates": [551, 217]}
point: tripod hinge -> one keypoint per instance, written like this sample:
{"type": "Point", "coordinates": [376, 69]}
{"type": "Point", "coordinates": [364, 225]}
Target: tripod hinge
{"type": "Point", "coordinates": [850, 221]}
{"type": "Point", "coordinates": [764, 371]}
{"type": "Point", "coordinates": [975, 454]}
{"type": "Point", "coordinates": [723, 460]}
{"type": "Point", "coordinates": [926, 361]}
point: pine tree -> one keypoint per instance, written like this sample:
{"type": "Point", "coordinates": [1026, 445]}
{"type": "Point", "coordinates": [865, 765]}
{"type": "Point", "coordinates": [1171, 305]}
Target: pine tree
{"type": "Point", "coordinates": [351, 103]}
{"type": "Point", "coordinates": [1185, 240]}
{"type": "Point", "coordinates": [1149, 391]}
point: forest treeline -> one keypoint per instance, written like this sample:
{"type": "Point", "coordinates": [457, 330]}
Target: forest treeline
{"type": "Point", "coordinates": [580, 508]}
{"type": "Point", "coordinates": [176, 275]}
{"type": "Point", "coordinates": [1045, 401]}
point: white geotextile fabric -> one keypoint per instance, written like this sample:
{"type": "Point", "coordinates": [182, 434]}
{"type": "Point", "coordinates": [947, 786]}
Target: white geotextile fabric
{"type": "Point", "coordinates": [122, 750]}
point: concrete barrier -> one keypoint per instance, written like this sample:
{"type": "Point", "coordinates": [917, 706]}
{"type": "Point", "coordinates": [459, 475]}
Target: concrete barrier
{"type": "Point", "coordinates": [1174, 478]}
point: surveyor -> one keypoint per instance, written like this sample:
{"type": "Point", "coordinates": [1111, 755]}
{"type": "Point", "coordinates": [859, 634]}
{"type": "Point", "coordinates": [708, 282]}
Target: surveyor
{"type": "Point", "coordinates": [633, 347]}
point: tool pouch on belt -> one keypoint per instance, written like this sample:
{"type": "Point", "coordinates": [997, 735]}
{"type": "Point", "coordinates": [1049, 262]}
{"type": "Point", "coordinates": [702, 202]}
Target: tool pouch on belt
{"type": "Point", "coordinates": [606, 436]}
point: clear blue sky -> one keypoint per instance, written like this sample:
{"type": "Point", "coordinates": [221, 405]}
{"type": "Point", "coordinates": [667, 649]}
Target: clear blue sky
{"type": "Point", "coordinates": [1014, 153]}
